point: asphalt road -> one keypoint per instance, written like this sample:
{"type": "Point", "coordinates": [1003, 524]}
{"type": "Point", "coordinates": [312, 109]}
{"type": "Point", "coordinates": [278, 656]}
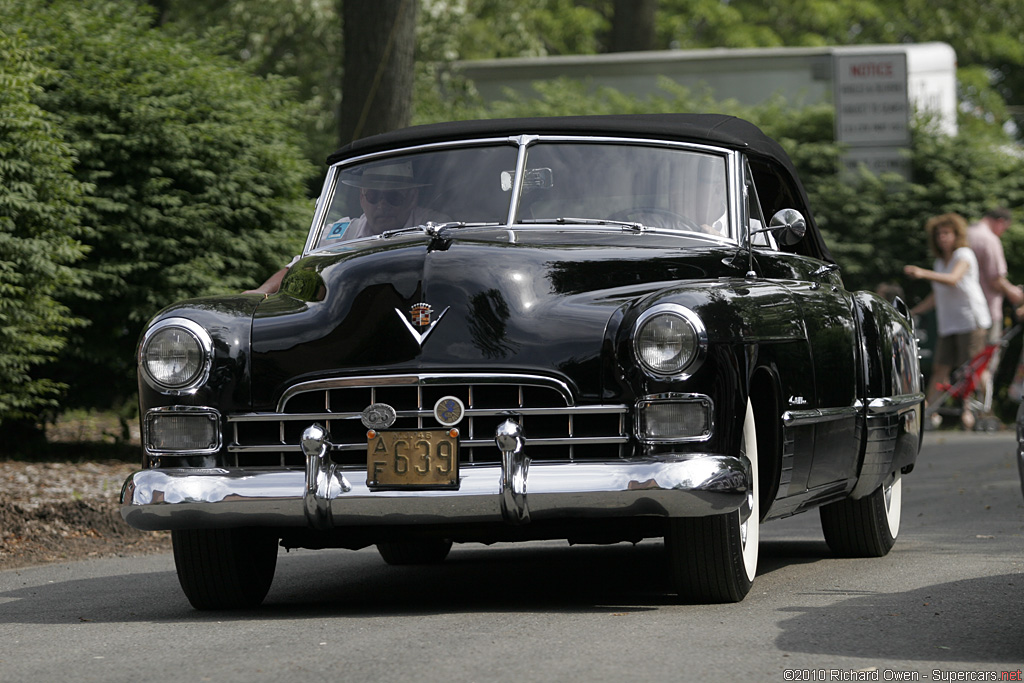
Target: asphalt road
{"type": "Point", "coordinates": [945, 604]}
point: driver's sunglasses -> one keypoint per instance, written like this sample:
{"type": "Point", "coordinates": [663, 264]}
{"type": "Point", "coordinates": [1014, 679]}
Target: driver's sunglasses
{"type": "Point", "coordinates": [392, 197]}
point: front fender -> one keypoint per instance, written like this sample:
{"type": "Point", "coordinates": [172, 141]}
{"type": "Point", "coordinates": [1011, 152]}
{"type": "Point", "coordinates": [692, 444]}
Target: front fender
{"type": "Point", "coordinates": [228, 320]}
{"type": "Point", "coordinates": [749, 325]}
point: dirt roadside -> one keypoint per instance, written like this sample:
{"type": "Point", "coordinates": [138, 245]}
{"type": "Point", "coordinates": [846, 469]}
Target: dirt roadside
{"type": "Point", "coordinates": [63, 511]}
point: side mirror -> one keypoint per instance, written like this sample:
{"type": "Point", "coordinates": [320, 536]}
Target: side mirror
{"type": "Point", "coordinates": [789, 226]}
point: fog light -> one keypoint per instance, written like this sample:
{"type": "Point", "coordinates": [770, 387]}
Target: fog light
{"type": "Point", "coordinates": [171, 431]}
{"type": "Point", "coordinates": [674, 418]}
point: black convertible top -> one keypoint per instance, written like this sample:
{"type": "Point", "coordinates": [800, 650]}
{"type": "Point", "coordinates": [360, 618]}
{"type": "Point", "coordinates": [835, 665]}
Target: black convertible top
{"type": "Point", "coordinates": [719, 129]}
{"type": "Point", "coordinates": [715, 129]}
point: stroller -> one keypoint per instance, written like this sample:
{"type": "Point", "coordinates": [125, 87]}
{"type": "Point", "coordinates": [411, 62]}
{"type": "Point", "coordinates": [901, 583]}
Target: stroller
{"type": "Point", "coordinates": [970, 390]}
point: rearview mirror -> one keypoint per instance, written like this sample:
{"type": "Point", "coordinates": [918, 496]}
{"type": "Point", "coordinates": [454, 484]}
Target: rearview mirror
{"type": "Point", "coordinates": [533, 179]}
{"type": "Point", "coordinates": [789, 226]}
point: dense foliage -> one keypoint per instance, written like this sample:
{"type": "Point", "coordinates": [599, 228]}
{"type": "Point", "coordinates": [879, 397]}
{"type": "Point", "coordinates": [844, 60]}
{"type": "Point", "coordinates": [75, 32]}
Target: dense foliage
{"type": "Point", "coordinates": [193, 168]}
{"type": "Point", "coordinates": [40, 223]}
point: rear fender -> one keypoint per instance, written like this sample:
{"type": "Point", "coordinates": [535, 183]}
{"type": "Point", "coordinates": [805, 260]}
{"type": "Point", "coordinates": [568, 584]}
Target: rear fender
{"type": "Point", "coordinates": [889, 389]}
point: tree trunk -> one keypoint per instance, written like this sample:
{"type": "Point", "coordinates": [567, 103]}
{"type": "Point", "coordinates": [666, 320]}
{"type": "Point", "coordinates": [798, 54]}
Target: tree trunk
{"type": "Point", "coordinates": [632, 25]}
{"type": "Point", "coordinates": [379, 54]}
{"type": "Point", "coordinates": [161, 7]}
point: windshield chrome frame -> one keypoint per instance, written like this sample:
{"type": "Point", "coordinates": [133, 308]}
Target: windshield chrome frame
{"type": "Point", "coordinates": [733, 160]}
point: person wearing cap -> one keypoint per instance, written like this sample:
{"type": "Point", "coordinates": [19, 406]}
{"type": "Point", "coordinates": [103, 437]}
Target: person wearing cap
{"type": "Point", "coordinates": [388, 195]}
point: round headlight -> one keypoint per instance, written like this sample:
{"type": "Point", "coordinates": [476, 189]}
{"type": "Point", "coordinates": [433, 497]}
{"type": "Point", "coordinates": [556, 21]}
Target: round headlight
{"type": "Point", "coordinates": [175, 355]}
{"type": "Point", "coordinates": [668, 339]}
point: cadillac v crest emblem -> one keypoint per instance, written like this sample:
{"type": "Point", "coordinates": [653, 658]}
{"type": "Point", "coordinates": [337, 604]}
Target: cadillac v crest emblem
{"type": "Point", "coordinates": [420, 315]}
{"type": "Point", "coordinates": [419, 321]}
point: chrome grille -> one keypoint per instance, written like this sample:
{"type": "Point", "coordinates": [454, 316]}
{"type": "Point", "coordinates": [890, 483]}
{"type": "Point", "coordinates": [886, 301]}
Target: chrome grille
{"type": "Point", "coordinates": [555, 428]}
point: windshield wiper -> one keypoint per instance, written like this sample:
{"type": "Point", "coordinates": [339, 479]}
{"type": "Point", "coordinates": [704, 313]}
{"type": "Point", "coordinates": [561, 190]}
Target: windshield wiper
{"type": "Point", "coordinates": [431, 228]}
{"type": "Point", "coordinates": [632, 226]}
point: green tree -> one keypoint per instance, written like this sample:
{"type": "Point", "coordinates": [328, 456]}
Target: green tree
{"type": "Point", "coordinates": [195, 169]}
{"type": "Point", "coordinates": [40, 223]}
{"type": "Point", "coordinates": [300, 40]}
{"type": "Point", "coordinates": [988, 37]}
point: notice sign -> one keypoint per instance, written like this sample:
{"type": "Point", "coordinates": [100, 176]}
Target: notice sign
{"type": "Point", "coordinates": [872, 107]}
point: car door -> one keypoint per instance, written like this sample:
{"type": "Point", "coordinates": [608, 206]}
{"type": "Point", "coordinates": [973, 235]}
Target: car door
{"type": "Point", "coordinates": [826, 419]}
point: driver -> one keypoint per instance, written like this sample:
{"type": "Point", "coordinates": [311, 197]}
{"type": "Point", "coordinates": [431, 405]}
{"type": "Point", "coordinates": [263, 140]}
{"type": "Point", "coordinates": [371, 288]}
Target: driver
{"type": "Point", "coordinates": [388, 195]}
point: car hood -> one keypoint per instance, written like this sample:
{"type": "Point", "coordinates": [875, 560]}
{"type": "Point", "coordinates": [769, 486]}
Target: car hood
{"type": "Point", "coordinates": [531, 300]}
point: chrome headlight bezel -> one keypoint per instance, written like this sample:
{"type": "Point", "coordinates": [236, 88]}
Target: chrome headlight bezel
{"type": "Point", "coordinates": [193, 334]}
{"type": "Point", "coordinates": [689, 359]}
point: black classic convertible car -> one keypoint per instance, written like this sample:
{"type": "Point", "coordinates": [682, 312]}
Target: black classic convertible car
{"type": "Point", "coordinates": [599, 329]}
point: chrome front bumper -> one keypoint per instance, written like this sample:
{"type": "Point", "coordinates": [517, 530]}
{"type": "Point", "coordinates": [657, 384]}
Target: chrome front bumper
{"type": "Point", "coordinates": [514, 492]}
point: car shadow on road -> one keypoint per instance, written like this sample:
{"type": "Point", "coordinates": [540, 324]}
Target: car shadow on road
{"type": "Point", "coordinates": [548, 577]}
{"type": "Point", "coordinates": [970, 620]}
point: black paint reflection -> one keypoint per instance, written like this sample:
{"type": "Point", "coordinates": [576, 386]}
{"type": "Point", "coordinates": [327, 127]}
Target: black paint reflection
{"type": "Point", "coordinates": [575, 277]}
{"type": "Point", "coordinates": [488, 324]}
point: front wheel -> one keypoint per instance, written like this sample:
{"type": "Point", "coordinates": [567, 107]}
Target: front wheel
{"type": "Point", "coordinates": [866, 527]}
{"type": "Point", "coordinates": [714, 559]}
{"type": "Point", "coordinates": [224, 568]}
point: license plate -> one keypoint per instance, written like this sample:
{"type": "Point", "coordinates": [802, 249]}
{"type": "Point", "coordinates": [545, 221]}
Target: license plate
{"type": "Point", "coordinates": [414, 459]}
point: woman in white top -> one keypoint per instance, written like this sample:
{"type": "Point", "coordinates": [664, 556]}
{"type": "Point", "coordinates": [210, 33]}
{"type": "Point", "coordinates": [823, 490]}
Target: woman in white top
{"type": "Point", "coordinates": [960, 309]}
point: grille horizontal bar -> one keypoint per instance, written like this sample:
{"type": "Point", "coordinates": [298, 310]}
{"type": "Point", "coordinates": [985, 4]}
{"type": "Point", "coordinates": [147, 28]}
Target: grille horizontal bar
{"type": "Point", "coordinates": [555, 429]}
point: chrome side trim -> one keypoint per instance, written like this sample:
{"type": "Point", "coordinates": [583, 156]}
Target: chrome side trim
{"type": "Point", "coordinates": [889, 403]}
{"type": "Point", "coordinates": [799, 418]}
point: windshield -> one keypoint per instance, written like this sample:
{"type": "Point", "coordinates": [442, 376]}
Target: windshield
{"type": "Point", "coordinates": [665, 188]}
{"type": "Point", "coordinates": [657, 187]}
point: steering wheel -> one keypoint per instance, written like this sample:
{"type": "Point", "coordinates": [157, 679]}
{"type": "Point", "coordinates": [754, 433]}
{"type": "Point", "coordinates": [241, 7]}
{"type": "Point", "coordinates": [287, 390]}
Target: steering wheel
{"type": "Point", "coordinates": [677, 220]}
